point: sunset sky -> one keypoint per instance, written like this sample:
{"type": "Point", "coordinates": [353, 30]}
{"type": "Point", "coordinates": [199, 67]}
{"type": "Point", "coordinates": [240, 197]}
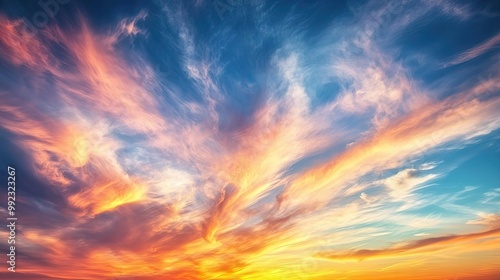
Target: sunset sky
{"type": "Point", "coordinates": [251, 139]}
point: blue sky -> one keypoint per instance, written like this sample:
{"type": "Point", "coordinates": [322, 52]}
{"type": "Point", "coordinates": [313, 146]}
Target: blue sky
{"type": "Point", "coordinates": [253, 139]}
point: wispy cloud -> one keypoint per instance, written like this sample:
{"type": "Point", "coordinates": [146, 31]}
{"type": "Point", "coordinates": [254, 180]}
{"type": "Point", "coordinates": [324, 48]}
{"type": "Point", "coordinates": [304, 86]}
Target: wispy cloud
{"type": "Point", "coordinates": [476, 51]}
{"type": "Point", "coordinates": [419, 246]}
{"type": "Point", "coordinates": [276, 143]}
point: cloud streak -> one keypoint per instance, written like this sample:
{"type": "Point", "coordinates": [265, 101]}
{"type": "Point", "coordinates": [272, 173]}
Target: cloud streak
{"type": "Point", "coordinates": [476, 51]}
{"type": "Point", "coordinates": [274, 145]}
{"type": "Point", "coordinates": [419, 246]}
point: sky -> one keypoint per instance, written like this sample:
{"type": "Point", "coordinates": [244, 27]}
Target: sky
{"type": "Point", "coordinates": [251, 139]}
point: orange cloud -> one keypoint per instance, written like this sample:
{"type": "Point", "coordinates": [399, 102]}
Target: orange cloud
{"type": "Point", "coordinates": [20, 46]}
{"type": "Point", "coordinates": [420, 246]}
{"type": "Point", "coordinates": [203, 202]}
{"type": "Point", "coordinates": [462, 116]}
